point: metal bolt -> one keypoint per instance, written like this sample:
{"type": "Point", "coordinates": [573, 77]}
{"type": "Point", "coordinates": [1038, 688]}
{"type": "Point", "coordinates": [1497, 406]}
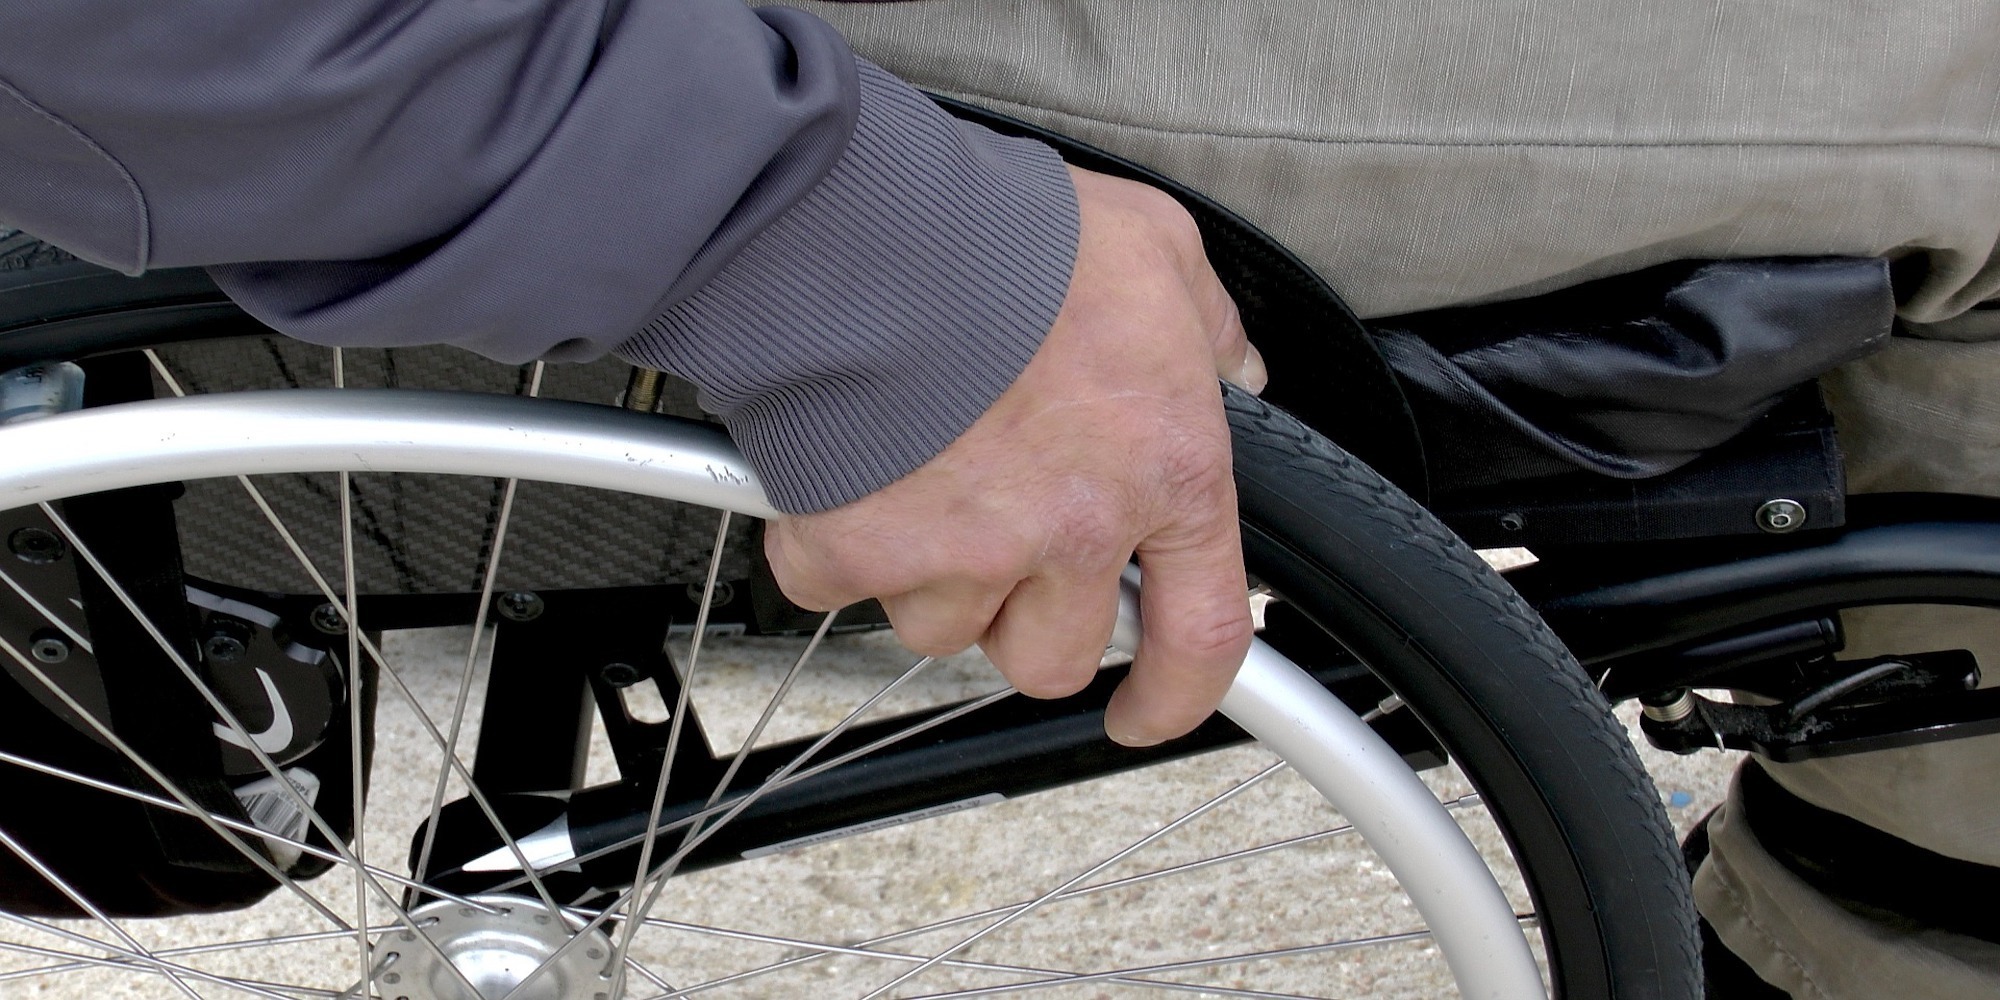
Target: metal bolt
{"type": "Point", "coordinates": [35, 545]}
{"type": "Point", "coordinates": [520, 605]}
{"type": "Point", "coordinates": [724, 593]}
{"type": "Point", "coordinates": [1780, 516]}
{"type": "Point", "coordinates": [49, 648]}
{"type": "Point", "coordinates": [620, 674]}
{"type": "Point", "coordinates": [1511, 521]}
{"type": "Point", "coordinates": [1673, 707]}
{"type": "Point", "coordinates": [327, 620]}
{"type": "Point", "coordinates": [223, 648]}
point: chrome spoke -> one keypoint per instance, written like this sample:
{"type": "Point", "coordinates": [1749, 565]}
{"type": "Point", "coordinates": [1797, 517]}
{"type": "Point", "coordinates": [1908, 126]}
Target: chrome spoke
{"type": "Point", "coordinates": [129, 961]}
{"type": "Point", "coordinates": [302, 846]}
{"type": "Point", "coordinates": [1009, 910]}
{"type": "Point", "coordinates": [745, 802]}
{"type": "Point", "coordinates": [357, 767]}
{"type": "Point", "coordinates": [253, 855]}
{"type": "Point", "coordinates": [374, 653]}
{"type": "Point", "coordinates": [486, 583]}
{"type": "Point", "coordinates": [861, 951]}
{"type": "Point", "coordinates": [234, 724]}
{"type": "Point", "coordinates": [789, 781]}
{"type": "Point", "coordinates": [1189, 965]}
{"type": "Point", "coordinates": [81, 902]}
{"type": "Point", "coordinates": [974, 938]}
{"type": "Point", "coordinates": [658, 860]}
{"type": "Point", "coordinates": [689, 839]}
{"type": "Point", "coordinates": [770, 712]}
{"type": "Point", "coordinates": [674, 731]}
{"type": "Point", "coordinates": [82, 961]}
{"type": "Point", "coordinates": [180, 662]}
{"type": "Point", "coordinates": [75, 635]}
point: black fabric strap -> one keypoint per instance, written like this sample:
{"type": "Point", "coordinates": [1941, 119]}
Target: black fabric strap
{"type": "Point", "coordinates": [1867, 871]}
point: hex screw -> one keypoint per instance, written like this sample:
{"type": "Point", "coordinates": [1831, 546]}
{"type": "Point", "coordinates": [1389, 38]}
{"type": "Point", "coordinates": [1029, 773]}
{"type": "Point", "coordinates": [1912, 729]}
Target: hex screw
{"type": "Point", "coordinates": [223, 648]}
{"type": "Point", "coordinates": [36, 545]}
{"type": "Point", "coordinates": [619, 674]}
{"type": "Point", "coordinates": [1780, 516]}
{"type": "Point", "coordinates": [520, 605]}
{"type": "Point", "coordinates": [327, 620]}
{"type": "Point", "coordinates": [49, 648]}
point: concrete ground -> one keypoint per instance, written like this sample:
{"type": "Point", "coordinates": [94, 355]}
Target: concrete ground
{"type": "Point", "coordinates": [971, 861]}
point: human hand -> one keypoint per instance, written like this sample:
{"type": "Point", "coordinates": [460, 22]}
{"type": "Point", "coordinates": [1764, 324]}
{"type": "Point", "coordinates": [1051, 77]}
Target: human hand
{"type": "Point", "coordinates": [1111, 442]}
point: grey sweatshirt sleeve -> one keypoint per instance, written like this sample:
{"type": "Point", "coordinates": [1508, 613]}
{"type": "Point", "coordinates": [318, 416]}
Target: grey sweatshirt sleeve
{"type": "Point", "coordinates": [728, 194]}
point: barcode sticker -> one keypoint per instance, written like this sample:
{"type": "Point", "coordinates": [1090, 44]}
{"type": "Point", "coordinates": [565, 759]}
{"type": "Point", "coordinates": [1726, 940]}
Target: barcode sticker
{"type": "Point", "coordinates": [273, 811]}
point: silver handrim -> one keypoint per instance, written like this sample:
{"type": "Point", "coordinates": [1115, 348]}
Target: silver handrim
{"type": "Point", "coordinates": [242, 434]}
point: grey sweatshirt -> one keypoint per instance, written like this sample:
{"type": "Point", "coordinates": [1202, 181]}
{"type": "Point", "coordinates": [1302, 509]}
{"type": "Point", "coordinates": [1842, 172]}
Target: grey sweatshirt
{"type": "Point", "coordinates": [731, 195]}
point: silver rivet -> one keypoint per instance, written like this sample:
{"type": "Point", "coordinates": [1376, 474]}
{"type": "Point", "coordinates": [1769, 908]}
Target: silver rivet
{"type": "Point", "coordinates": [34, 545]}
{"type": "Point", "coordinates": [519, 605]}
{"type": "Point", "coordinates": [1780, 516]}
{"type": "Point", "coordinates": [328, 620]}
{"type": "Point", "coordinates": [49, 649]}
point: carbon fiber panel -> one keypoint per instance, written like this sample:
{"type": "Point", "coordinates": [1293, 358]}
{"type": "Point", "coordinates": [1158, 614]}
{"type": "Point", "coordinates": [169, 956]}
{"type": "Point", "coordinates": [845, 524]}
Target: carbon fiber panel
{"type": "Point", "coordinates": [430, 534]}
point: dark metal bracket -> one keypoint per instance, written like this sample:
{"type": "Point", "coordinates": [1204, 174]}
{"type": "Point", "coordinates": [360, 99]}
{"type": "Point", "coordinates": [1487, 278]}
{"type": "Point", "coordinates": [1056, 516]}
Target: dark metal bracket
{"type": "Point", "coordinates": [1829, 708]}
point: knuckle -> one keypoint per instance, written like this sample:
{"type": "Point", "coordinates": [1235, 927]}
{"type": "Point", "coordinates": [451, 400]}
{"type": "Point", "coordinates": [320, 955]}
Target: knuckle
{"type": "Point", "coordinates": [1049, 679]}
{"type": "Point", "coordinates": [930, 636]}
{"type": "Point", "coordinates": [1087, 535]}
{"type": "Point", "coordinates": [1219, 633]}
{"type": "Point", "coordinates": [994, 567]}
{"type": "Point", "coordinates": [1167, 214]}
{"type": "Point", "coordinates": [1196, 468]}
{"type": "Point", "coordinates": [930, 642]}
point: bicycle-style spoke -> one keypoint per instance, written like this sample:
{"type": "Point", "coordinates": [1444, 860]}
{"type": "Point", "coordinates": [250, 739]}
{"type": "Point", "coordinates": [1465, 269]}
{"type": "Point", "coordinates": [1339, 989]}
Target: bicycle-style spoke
{"type": "Point", "coordinates": [869, 947]}
{"type": "Point", "coordinates": [1189, 965]}
{"type": "Point", "coordinates": [776, 783]}
{"type": "Point", "coordinates": [61, 624]}
{"type": "Point", "coordinates": [864, 952]}
{"type": "Point", "coordinates": [446, 743]}
{"type": "Point", "coordinates": [1043, 900]}
{"type": "Point", "coordinates": [1035, 957]}
{"type": "Point", "coordinates": [80, 962]}
{"type": "Point", "coordinates": [1080, 892]}
{"type": "Point", "coordinates": [81, 902]}
{"type": "Point", "coordinates": [129, 961]}
{"type": "Point", "coordinates": [736, 807]}
{"type": "Point", "coordinates": [674, 732]}
{"type": "Point", "coordinates": [256, 857]}
{"type": "Point", "coordinates": [473, 655]}
{"type": "Point", "coordinates": [230, 721]}
{"type": "Point", "coordinates": [357, 774]}
{"type": "Point", "coordinates": [1004, 913]}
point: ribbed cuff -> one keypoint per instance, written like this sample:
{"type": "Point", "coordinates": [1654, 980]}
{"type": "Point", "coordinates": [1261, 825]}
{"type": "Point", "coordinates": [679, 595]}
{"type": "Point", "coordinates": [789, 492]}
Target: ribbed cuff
{"type": "Point", "coordinates": [869, 326]}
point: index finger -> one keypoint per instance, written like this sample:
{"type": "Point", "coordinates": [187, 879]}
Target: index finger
{"type": "Point", "coordinates": [1195, 628]}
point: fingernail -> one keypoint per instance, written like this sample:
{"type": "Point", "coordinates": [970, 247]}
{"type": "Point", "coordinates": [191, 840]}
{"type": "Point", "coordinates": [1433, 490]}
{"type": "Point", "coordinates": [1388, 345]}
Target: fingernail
{"type": "Point", "coordinates": [1130, 740]}
{"type": "Point", "coordinates": [1254, 376]}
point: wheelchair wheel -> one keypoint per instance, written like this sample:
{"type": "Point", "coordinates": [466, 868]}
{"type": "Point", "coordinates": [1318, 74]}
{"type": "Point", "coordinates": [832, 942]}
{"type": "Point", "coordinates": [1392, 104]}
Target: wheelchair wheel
{"type": "Point", "coordinates": [969, 811]}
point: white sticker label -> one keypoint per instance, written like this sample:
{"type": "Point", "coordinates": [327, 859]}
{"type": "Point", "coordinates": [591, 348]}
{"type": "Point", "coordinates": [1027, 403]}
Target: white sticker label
{"type": "Point", "coordinates": [274, 811]}
{"type": "Point", "coordinates": [876, 824]}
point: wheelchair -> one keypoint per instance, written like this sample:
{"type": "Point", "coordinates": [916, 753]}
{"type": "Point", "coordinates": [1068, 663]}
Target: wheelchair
{"type": "Point", "coordinates": [224, 547]}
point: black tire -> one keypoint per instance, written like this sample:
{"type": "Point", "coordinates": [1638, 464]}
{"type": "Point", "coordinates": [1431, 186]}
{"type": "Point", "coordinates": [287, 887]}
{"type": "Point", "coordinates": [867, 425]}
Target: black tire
{"type": "Point", "coordinates": [1489, 679]}
{"type": "Point", "coordinates": [1336, 542]}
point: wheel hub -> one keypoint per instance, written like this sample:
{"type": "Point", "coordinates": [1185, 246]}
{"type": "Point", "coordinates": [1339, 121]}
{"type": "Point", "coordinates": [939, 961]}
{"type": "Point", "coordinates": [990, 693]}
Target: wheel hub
{"type": "Point", "coordinates": [495, 952]}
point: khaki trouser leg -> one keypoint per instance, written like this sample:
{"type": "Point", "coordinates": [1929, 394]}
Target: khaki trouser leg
{"type": "Point", "coordinates": [1435, 153]}
{"type": "Point", "coordinates": [1921, 416]}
